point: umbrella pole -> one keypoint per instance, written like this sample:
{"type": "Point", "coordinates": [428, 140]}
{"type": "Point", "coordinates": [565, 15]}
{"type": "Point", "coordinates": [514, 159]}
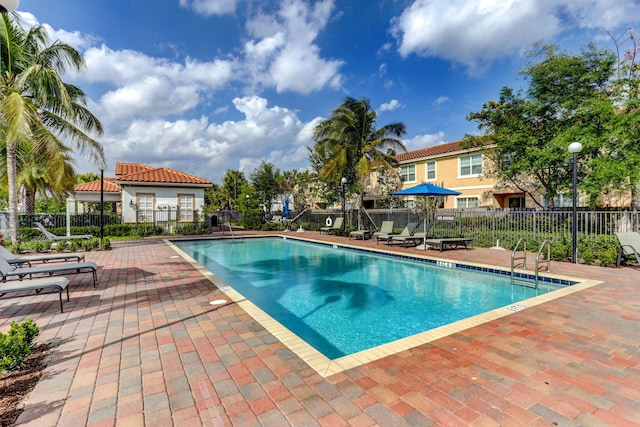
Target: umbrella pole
{"type": "Point", "coordinates": [423, 245]}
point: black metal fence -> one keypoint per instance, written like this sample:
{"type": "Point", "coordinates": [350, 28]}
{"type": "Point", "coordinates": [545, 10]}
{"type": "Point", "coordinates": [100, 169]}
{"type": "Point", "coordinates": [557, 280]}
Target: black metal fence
{"type": "Point", "coordinates": [170, 221]}
{"type": "Point", "coordinates": [59, 219]}
{"type": "Point", "coordinates": [490, 227]}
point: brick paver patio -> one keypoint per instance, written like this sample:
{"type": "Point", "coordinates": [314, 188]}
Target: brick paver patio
{"type": "Point", "coordinates": [146, 348]}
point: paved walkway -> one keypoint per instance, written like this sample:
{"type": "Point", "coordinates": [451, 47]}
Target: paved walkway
{"type": "Point", "coordinates": [146, 348]}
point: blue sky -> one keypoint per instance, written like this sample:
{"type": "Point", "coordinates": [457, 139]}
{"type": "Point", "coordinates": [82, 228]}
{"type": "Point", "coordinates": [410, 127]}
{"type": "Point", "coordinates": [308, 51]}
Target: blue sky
{"type": "Point", "coordinates": [203, 86]}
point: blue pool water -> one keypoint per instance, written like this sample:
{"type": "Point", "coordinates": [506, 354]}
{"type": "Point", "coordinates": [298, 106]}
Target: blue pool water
{"type": "Point", "coordinates": [342, 301]}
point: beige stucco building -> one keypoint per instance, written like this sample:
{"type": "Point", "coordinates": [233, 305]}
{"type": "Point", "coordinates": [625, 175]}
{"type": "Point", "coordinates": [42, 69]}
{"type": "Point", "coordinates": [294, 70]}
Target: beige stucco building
{"type": "Point", "coordinates": [452, 166]}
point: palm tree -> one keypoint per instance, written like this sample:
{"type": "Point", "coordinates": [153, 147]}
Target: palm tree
{"type": "Point", "coordinates": [36, 106]}
{"type": "Point", "coordinates": [44, 168]}
{"type": "Point", "coordinates": [352, 147]}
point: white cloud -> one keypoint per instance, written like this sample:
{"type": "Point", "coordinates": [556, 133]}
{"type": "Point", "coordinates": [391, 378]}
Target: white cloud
{"type": "Point", "coordinates": [474, 33]}
{"type": "Point", "coordinates": [152, 86]}
{"type": "Point", "coordinates": [390, 106]}
{"type": "Point", "coordinates": [423, 141]}
{"type": "Point", "coordinates": [283, 53]}
{"type": "Point", "coordinates": [270, 133]}
{"type": "Point", "coordinates": [441, 100]}
{"type": "Point", "coordinates": [211, 7]}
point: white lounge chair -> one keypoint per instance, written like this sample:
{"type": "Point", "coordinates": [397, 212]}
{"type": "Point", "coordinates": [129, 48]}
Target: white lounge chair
{"type": "Point", "coordinates": [629, 245]}
{"type": "Point", "coordinates": [386, 229]}
{"type": "Point", "coordinates": [47, 235]}
{"type": "Point", "coordinates": [407, 231]}
{"type": "Point", "coordinates": [6, 271]}
{"type": "Point", "coordinates": [415, 238]}
{"type": "Point", "coordinates": [337, 225]}
{"type": "Point", "coordinates": [57, 283]}
{"type": "Point", "coordinates": [449, 243]}
{"type": "Point", "coordinates": [16, 260]}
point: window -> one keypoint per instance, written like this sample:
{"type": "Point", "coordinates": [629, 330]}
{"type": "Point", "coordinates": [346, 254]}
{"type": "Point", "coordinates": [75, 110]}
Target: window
{"type": "Point", "coordinates": [185, 203]}
{"type": "Point", "coordinates": [471, 165]}
{"type": "Point", "coordinates": [408, 173]}
{"type": "Point", "coordinates": [145, 205]}
{"type": "Point", "coordinates": [516, 202]}
{"type": "Point", "coordinates": [430, 171]}
{"type": "Point", "coordinates": [466, 202]}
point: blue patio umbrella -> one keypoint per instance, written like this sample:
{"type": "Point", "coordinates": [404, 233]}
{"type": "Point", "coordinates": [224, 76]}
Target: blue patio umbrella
{"type": "Point", "coordinates": [285, 213]}
{"type": "Point", "coordinates": [426, 189]}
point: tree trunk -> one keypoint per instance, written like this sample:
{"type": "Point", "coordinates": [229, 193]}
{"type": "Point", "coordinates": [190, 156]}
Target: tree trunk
{"type": "Point", "coordinates": [13, 192]}
{"type": "Point", "coordinates": [29, 201]}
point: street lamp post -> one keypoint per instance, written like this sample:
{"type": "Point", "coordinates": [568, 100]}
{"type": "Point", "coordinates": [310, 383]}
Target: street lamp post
{"type": "Point", "coordinates": [575, 148]}
{"type": "Point", "coordinates": [343, 184]}
{"type": "Point", "coordinates": [102, 167]}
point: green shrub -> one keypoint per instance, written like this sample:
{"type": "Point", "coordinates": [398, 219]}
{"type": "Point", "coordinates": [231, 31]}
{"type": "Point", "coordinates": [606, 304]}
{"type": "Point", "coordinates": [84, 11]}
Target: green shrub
{"type": "Point", "coordinates": [15, 345]}
{"type": "Point", "coordinates": [193, 228]}
{"type": "Point", "coordinates": [61, 246]}
{"type": "Point", "coordinates": [272, 226]}
{"type": "Point", "coordinates": [310, 226]}
{"type": "Point", "coordinates": [74, 245]}
{"type": "Point", "coordinates": [31, 331]}
{"type": "Point", "coordinates": [106, 244]}
{"type": "Point", "coordinates": [560, 251]}
{"type": "Point", "coordinates": [252, 219]}
{"type": "Point", "coordinates": [87, 245]}
{"type": "Point", "coordinates": [16, 249]}
{"type": "Point", "coordinates": [38, 246]}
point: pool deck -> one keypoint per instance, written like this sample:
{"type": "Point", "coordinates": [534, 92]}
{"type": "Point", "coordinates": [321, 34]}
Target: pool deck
{"type": "Point", "coordinates": [146, 348]}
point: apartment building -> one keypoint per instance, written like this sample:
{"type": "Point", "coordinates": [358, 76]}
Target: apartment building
{"type": "Point", "coordinates": [457, 168]}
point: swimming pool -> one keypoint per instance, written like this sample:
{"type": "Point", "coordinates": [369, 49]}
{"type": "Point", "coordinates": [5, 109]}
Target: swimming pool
{"type": "Point", "coordinates": [343, 301]}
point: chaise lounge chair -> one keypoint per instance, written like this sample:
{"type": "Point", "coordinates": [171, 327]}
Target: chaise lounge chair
{"type": "Point", "coordinates": [7, 271]}
{"type": "Point", "coordinates": [47, 235]}
{"type": "Point", "coordinates": [58, 284]}
{"type": "Point", "coordinates": [337, 225]}
{"type": "Point", "coordinates": [386, 229]}
{"type": "Point", "coordinates": [449, 243]}
{"type": "Point", "coordinates": [15, 260]}
{"type": "Point", "coordinates": [629, 245]}
{"type": "Point", "coordinates": [415, 238]}
{"type": "Point", "coordinates": [406, 232]}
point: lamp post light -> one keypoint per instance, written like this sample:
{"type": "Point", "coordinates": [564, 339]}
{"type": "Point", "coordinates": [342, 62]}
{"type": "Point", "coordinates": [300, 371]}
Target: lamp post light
{"type": "Point", "coordinates": [575, 148]}
{"type": "Point", "coordinates": [7, 6]}
{"type": "Point", "coordinates": [102, 168]}
{"type": "Point", "coordinates": [343, 185]}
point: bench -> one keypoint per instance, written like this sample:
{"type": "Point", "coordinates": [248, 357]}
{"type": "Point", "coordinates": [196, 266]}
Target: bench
{"type": "Point", "coordinates": [56, 283]}
{"type": "Point", "coordinates": [450, 243]}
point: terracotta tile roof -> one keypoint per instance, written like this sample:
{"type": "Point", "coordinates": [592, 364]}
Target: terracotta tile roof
{"type": "Point", "coordinates": [135, 172]}
{"type": "Point", "coordinates": [109, 186]}
{"type": "Point", "coordinates": [449, 147]}
{"type": "Point", "coordinates": [130, 168]}
{"type": "Point", "coordinates": [163, 175]}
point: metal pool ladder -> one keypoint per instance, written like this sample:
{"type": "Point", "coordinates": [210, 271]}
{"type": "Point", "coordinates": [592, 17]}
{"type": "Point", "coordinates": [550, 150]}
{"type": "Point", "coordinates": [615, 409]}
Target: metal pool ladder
{"type": "Point", "coordinates": [521, 255]}
{"type": "Point", "coordinates": [547, 261]}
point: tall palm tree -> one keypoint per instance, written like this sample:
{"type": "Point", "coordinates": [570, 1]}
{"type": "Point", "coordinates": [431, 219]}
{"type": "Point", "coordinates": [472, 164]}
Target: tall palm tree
{"type": "Point", "coordinates": [352, 146]}
{"type": "Point", "coordinates": [36, 106]}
